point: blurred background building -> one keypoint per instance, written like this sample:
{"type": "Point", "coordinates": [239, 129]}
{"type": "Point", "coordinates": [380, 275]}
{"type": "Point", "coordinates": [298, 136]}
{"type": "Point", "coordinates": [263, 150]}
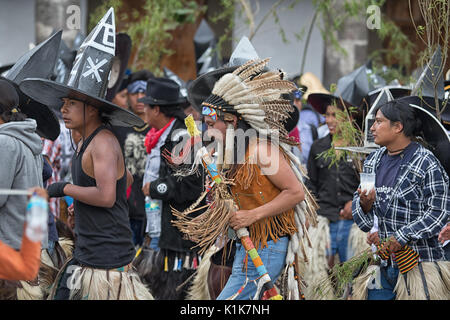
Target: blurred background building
{"type": "Point", "coordinates": [281, 33]}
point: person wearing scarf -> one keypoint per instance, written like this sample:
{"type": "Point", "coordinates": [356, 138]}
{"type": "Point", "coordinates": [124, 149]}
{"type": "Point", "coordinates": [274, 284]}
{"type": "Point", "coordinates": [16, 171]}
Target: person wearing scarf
{"type": "Point", "coordinates": [175, 262]}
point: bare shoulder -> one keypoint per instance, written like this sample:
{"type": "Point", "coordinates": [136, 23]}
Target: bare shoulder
{"type": "Point", "coordinates": [105, 142]}
{"type": "Point", "coordinates": [105, 138]}
{"type": "Point", "coordinates": [265, 150]}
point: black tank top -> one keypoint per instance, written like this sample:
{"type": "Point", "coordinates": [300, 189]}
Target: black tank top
{"type": "Point", "coordinates": [103, 235]}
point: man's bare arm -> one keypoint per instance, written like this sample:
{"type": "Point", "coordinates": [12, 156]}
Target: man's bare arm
{"type": "Point", "coordinates": [105, 161]}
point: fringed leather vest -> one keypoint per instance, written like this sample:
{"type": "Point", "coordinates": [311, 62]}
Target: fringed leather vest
{"type": "Point", "coordinates": [253, 189]}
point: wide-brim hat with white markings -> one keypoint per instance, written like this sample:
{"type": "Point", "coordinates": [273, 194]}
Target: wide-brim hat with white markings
{"type": "Point", "coordinates": [88, 80]}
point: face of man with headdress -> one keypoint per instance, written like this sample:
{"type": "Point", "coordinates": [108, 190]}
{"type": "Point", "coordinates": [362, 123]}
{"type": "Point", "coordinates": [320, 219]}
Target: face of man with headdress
{"type": "Point", "coordinates": [216, 128]}
{"type": "Point", "coordinates": [76, 113]}
{"type": "Point", "coordinates": [217, 122]}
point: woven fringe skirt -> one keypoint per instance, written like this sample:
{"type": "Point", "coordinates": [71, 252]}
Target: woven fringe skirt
{"type": "Point", "coordinates": [411, 285]}
{"type": "Point", "coordinates": [198, 290]}
{"type": "Point", "coordinates": [48, 271]}
{"type": "Point", "coordinates": [357, 241]}
{"type": "Point", "coordinates": [99, 284]}
{"type": "Point", "coordinates": [317, 267]}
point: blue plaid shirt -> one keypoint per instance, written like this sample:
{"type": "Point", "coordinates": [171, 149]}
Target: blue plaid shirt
{"type": "Point", "coordinates": [418, 209]}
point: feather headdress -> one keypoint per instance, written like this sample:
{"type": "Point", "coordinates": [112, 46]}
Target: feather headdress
{"type": "Point", "coordinates": [255, 96]}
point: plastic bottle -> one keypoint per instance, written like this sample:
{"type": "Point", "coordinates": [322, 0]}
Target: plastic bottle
{"type": "Point", "coordinates": [37, 218]}
{"type": "Point", "coordinates": [153, 212]}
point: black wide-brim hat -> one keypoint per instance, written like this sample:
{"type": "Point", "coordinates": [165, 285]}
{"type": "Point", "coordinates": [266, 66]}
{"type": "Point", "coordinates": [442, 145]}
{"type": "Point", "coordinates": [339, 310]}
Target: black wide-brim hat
{"type": "Point", "coordinates": [434, 134]}
{"type": "Point", "coordinates": [446, 85]}
{"type": "Point", "coordinates": [162, 92]}
{"type": "Point", "coordinates": [38, 62]}
{"type": "Point", "coordinates": [51, 93]}
{"type": "Point", "coordinates": [200, 89]}
{"type": "Point", "coordinates": [47, 123]}
{"type": "Point", "coordinates": [426, 102]}
{"type": "Point", "coordinates": [320, 102]}
{"type": "Point", "coordinates": [396, 91]}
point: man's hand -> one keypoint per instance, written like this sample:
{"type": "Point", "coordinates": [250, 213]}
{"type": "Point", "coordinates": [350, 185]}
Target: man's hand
{"type": "Point", "coordinates": [373, 238]}
{"type": "Point", "coordinates": [444, 235]}
{"type": "Point", "coordinates": [146, 189]}
{"type": "Point", "coordinates": [346, 213]}
{"type": "Point", "coordinates": [57, 189]}
{"type": "Point", "coordinates": [241, 219]}
{"type": "Point", "coordinates": [392, 245]}
{"type": "Point", "coordinates": [366, 201]}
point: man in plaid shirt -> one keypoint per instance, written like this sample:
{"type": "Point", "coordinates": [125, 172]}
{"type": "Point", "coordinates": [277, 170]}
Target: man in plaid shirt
{"type": "Point", "coordinates": [410, 199]}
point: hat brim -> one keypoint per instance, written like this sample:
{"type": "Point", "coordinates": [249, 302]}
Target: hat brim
{"type": "Point", "coordinates": [320, 102]}
{"type": "Point", "coordinates": [51, 93]}
{"type": "Point", "coordinates": [433, 130]}
{"type": "Point", "coordinates": [397, 92]}
{"type": "Point", "coordinates": [47, 123]}
{"type": "Point", "coordinates": [201, 88]}
{"type": "Point", "coordinates": [156, 102]}
{"type": "Point", "coordinates": [435, 135]}
{"type": "Point", "coordinates": [426, 102]}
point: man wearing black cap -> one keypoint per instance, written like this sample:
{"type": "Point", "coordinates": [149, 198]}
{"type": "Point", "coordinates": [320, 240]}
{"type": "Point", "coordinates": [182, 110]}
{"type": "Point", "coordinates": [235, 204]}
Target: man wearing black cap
{"type": "Point", "coordinates": [163, 190]}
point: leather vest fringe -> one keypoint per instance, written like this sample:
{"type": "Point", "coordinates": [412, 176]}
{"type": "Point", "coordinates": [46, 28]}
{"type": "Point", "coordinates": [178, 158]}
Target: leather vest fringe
{"type": "Point", "coordinates": [253, 189]}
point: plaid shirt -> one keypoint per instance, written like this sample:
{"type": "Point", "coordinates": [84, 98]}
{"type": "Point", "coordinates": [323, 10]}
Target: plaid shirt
{"type": "Point", "coordinates": [418, 209]}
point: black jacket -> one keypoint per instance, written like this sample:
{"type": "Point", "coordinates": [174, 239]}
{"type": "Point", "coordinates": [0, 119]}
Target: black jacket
{"type": "Point", "coordinates": [175, 192]}
{"type": "Point", "coordinates": [333, 186]}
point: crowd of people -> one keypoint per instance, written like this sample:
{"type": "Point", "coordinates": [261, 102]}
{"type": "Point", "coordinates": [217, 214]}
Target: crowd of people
{"type": "Point", "coordinates": [257, 198]}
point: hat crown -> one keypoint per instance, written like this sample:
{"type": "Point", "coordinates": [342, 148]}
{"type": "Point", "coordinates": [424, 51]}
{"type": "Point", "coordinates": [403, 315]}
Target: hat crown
{"type": "Point", "coordinates": [243, 52]}
{"type": "Point", "coordinates": [93, 62]}
{"type": "Point", "coordinates": [312, 84]}
{"type": "Point", "coordinates": [38, 62]}
{"type": "Point", "coordinates": [163, 90]}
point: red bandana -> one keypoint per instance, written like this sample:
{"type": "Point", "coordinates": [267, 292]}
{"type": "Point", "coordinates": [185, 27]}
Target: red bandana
{"type": "Point", "coordinates": [153, 135]}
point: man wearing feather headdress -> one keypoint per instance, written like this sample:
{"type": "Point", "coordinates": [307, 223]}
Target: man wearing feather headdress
{"type": "Point", "coordinates": [262, 178]}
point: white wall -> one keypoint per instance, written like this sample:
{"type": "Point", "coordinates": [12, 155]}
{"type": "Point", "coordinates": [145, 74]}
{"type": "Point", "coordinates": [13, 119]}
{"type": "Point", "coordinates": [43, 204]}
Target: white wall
{"type": "Point", "coordinates": [19, 25]}
{"type": "Point", "coordinates": [268, 41]}
{"type": "Point", "coordinates": [17, 29]}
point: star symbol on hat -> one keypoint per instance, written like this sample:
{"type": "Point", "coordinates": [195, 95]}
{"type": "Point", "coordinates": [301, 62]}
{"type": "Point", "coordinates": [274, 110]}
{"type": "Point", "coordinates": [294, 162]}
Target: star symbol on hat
{"type": "Point", "coordinates": [94, 68]}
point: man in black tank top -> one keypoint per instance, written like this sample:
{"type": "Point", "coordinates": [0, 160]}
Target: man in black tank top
{"type": "Point", "coordinates": [101, 263]}
{"type": "Point", "coordinates": [102, 229]}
